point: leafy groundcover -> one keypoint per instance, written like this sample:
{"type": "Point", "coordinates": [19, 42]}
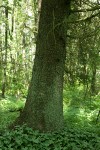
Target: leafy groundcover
{"type": "Point", "coordinates": [24, 138]}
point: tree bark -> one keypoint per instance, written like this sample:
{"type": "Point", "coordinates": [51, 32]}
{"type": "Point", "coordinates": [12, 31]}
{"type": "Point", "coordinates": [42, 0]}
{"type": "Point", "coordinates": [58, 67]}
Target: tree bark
{"type": "Point", "coordinates": [44, 106]}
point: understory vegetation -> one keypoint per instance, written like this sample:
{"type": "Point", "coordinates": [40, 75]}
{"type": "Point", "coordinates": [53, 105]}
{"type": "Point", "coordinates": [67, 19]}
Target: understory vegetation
{"type": "Point", "coordinates": [24, 138]}
{"type": "Point", "coordinates": [81, 125]}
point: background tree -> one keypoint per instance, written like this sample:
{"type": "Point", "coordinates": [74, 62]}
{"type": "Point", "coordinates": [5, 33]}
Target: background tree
{"type": "Point", "coordinates": [82, 48]}
{"type": "Point", "coordinates": [17, 38]}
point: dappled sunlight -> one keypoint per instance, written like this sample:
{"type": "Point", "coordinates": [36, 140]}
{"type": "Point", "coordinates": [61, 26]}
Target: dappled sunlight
{"type": "Point", "coordinates": [80, 116]}
{"type": "Point", "coordinates": [9, 110]}
{"type": "Point", "coordinates": [6, 104]}
{"type": "Point", "coordinates": [80, 110]}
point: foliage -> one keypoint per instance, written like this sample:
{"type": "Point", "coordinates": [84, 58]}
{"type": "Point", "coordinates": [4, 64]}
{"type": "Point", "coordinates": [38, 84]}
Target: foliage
{"type": "Point", "coordinates": [11, 103]}
{"type": "Point", "coordinates": [80, 107]}
{"type": "Point", "coordinates": [80, 131]}
{"type": "Point", "coordinates": [80, 96]}
{"type": "Point", "coordinates": [24, 138]}
{"type": "Point", "coordinates": [17, 47]}
{"type": "Point", "coordinates": [77, 111]}
{"type": "Point", "coordinates": [7, 118]}
{"type": "Point", "coordinates": [9, 110]}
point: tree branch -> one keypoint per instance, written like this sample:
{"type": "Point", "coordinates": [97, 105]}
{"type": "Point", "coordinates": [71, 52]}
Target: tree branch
{"type": "Point", "coordinates": [85, 36]}
{"type": "Point", "coordinates": [2, 6]}
{"type": "Point", "coordinates": [85, 10]}
{"type": "Point", "coordinates": [85, 19]}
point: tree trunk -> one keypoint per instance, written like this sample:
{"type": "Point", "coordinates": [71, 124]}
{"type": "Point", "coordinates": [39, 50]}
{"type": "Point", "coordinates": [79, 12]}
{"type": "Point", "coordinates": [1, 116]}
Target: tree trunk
{"type": "Point", "coordinates": [4, 81]}
{"type": "Point", "coordinates": [93, 80]}
{"type": "Point", "coordinates": [44, 106]}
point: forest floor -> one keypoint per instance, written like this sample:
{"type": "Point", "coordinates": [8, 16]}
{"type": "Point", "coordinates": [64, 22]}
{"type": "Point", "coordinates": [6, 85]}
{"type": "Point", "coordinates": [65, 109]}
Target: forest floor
{"type": "Point", "coordinates": [82, 129]}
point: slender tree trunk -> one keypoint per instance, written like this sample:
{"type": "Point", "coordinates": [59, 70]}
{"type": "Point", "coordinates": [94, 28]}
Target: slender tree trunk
{"type": "Point", "coordinates": [93, 80]}
{"type": "Point", "coordinates": [4, 81]}
{"type": "Point", "coordinates": [44, 105]}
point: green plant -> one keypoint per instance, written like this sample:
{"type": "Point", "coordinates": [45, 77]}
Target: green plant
{"type": "Point", "coordinates": [24, 138]}
{"type": "Point", "coordinates": [9, 110]}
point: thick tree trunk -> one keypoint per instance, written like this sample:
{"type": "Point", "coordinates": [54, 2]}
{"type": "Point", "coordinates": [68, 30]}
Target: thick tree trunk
{"type": "Point", "coordinates": [44, 105]}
